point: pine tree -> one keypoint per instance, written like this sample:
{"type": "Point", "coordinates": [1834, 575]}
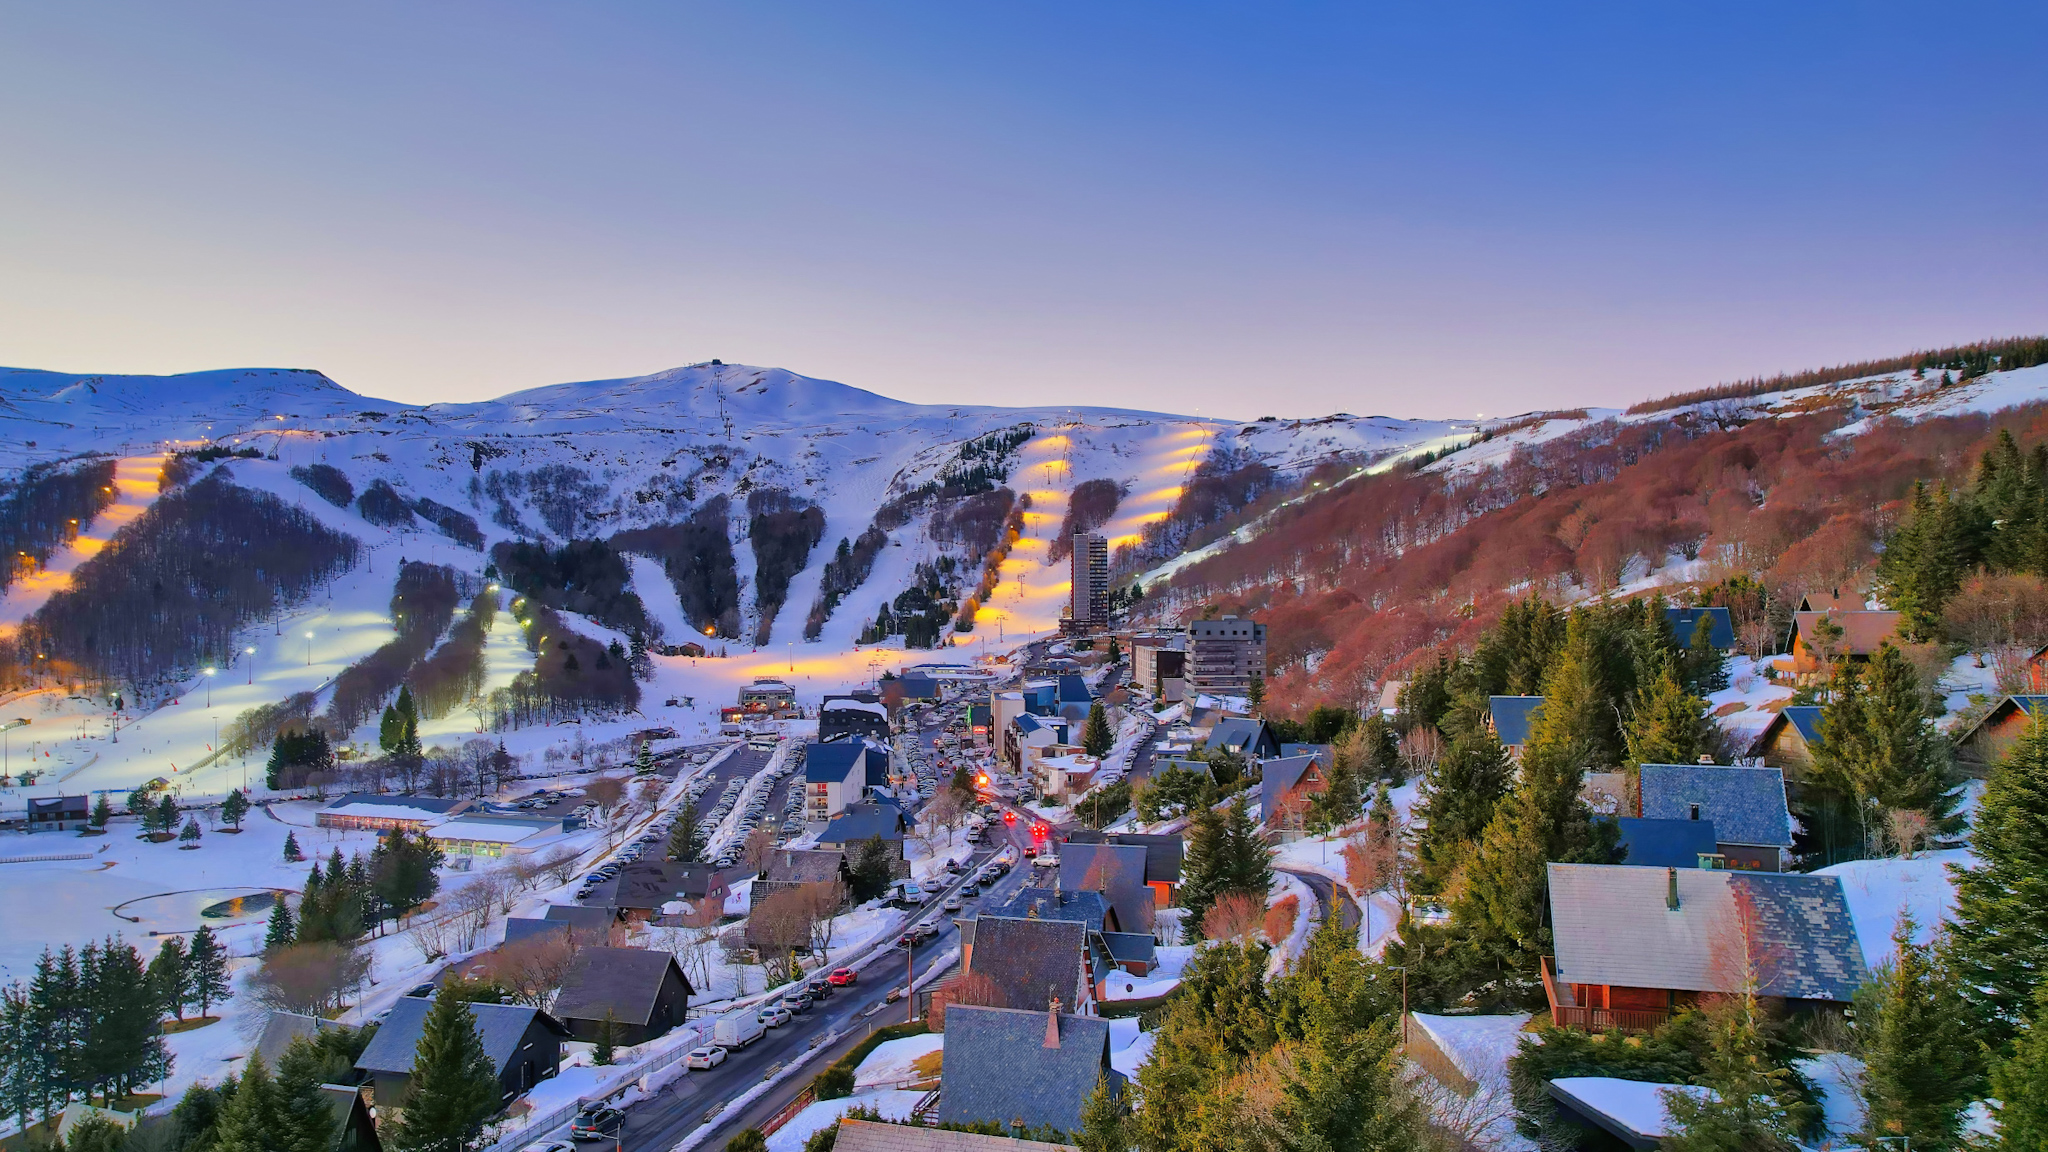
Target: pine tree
{"type": "Point", "coordinates": [57, 1012]}
{"type": "Point", "coordinates": [1998, 941]}
{"type": "Point", "coordinates": [1918, 1058]}
{"type": "Point", "coordinates": [454, 1088]}
{"type": "Point", "coordinates": [170, 976]}
{"type": "Point", "coordinates": [1248, 860]}
{"type": "Point", "coordinates": [24, 1057]}
{"type": "Point", "coordinates": [747, 1140]}
{"type": "Point", "coordinates": [281, 931]}
{"type": "Point", "coordinates": [198, 1112]}
{"type": "Point", "coordinates": [166, 814]}
{"type": "Point", "coordinates": [102, 811]}
{"type": "Point", "coordinates": [686, 839]}
{"type": "Point", "coordinates": [124, 1043]}
{"type": "Point", "coordinates": [1669, 725]}
{"type": "Point", "coordinates": [643, 761]}
{"type": "Point", "coordinates": [95, 1133]}
{"type": "Point", "coordinates": [1700, 667]}
{"type": "Point", "coordinates": [209, 966]}
{"type": "Point", "coordinates": [1460, 794]}
{"type": "Point", "coordinates": [190, 836]}
{"type": "Point", "coordinates": [249, 1120]}
{"type": "Point", "coordinates": [607, 1040]}
{"type": "Point", "coordinates": [1105, 1121]}
{"type": "Point", "coordinates": [2020, 1084]}
{"type": "Point", "coordinates": [1255, 692]}
{"type": "Point", "coordinates": [305, 1120]}
{"type": "Point", "coordinates": [1203, 870]}
{"type": "Point", "coordinates": [234, 808]}
{"type": "Point", "coordinates": [1096, 738]}
{"type": "Point", "coordinates": [292, 854]}
{"type": "Point", "coordinates": [1908, 765]}
{"type": "Point", "coordinates": [1749, 1108]}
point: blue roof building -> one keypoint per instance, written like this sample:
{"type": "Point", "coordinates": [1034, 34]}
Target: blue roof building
{"type": "Point", "coordinates": [1721, 626]}
{"type": "Point", "coordinates": [1007, 1064]}
{"type": "Point", "coordinates": [1752, 823]}
{"type": "Point", "coordinates": [1512, 718]}
{"type": "Point", "coordinates": [1245, 736]}
{"type": "Point", "coordinates": [1666, 843]}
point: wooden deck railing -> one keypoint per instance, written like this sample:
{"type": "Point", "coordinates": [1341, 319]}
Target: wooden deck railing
{"type": "Point", "coordinates": [1564, 1013]}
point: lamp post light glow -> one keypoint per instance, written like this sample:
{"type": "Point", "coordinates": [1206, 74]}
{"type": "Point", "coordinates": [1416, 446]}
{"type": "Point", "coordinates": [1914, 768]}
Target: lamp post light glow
{"type": "Point", "coordinates": [251, 653]}
{"type": "Point", "coordinates": [309, 649]}
{"type": "Point", "coordinates": [209, 686]}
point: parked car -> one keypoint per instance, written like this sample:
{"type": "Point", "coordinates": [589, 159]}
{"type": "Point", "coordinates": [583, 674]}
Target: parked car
{"type": "Point", "coordinates": [775, 1016]}
{"type": "Point", "coordinates": [549, 1146]}
{"type": "Point", "coordinates": [709, 1056]}
{"type": "Point", "coordinates": [817, 989]}
{"type": "Point", "coordinates": [954, 903]}
{"type": "Point", "coordinates": [597, 1122]}
{"type": "Point", "coordinates": [796, 1003]}
{"type": "Point", "coordinates": [421, 990]}
{"type": "Point", "coordinates": [841, 977]}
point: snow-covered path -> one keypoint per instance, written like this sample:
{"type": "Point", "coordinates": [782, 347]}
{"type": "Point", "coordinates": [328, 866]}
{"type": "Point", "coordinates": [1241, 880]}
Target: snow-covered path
{"type": "Point", "coordinates": [135, 489]}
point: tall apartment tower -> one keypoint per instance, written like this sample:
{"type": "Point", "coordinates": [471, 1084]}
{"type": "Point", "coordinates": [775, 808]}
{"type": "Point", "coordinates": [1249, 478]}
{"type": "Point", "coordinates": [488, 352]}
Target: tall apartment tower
{"type": "Point", "coordinates": [1088, 603]}
{"type": "Point", "coordinates": [1224, 655]}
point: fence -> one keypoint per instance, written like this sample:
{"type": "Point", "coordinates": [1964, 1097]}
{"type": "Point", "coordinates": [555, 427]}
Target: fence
{"type": "Point", "coordinates": [51, 856]}
{"type": "Point", "coordinates": [1565, 1013]}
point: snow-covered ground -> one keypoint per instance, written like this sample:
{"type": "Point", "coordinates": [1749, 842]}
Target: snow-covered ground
{"type": "Point", "coordinates": [1877, 890]}
{"type": "Point", "coordinates": [897, 1063]}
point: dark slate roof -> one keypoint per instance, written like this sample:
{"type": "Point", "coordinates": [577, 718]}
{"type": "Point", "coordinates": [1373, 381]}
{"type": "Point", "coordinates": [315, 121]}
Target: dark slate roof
{"type": "Point", "coordinates": [804, 866]}
{"type": "Point", "coordinates": [581, 918]}
{"type": "Point", "coordinates": [884, 1136]}
{"type": "Point", "coordinates": [1512, 716]}
{"type": "Point", "coordinates": [1090, 908]}
{"type": "Point", "coordinates": [1327, 753]}
{"type": "Point", "coordinates": [1720, 629]}
{"type": "Point", "coordinates": [499, 1025]}
{"type": "Point", "coordinates": [2031, 705]}
{"type": "Point", "coordinates": [519, 928]}
{"type": "Point", "coordinates": [1127, 947]}
{"type": "Point", "coordinates": [1613, 925]}
{"type": "Point", "coordinates": [652, 883]}
{"type": "Point", "coordinates": [1240, 733]}
{"type": "Point", "coordinates": [1117, 870]}
{"type": "Point", "coordinates": [918, 686]}
{"type": "Point", "coordinates": [1276, 777]}
{"type": "Point", "coordinates": [863, 822]}
{"type": "Point", "coordinates": [998, 1067]}
{"type": "Point", "coordinates": [281, 1028]}
{"type": "Point", "coordinates": [78, 805]}
{"type": "Point", "coordinates": [1163, 853]}
{"type": "Point", "coordinates": [1666, 843]}
{"type": "Point", "coordinates": [623, 981]}
{"type": "Point", "coordinates": [1803, 718]}
{"type": "Point", "coordinates": [1030, 961]}
{"type": "Point", "coordinates": [824, 763]}
{"type": "Point", "coordinates": [1747, 805]}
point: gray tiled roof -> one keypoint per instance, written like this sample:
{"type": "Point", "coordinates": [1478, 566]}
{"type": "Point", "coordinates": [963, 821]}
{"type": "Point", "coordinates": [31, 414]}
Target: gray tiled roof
{"type": "Point", "coordinates": [1030, 961]}
{"type": "Point", "coordinates": [1512, 716]}
{"type": "Point", "coordinates": [1613, 925]}
{"type": "Point", "coordinates": [581, 918]}
{"type": "Point", "coordinates": [1276, 777]}
{"type": "Point", "coordinates": [804, 865]}
{"type": "Point", "coordinates": [1127, 947]}
{"type": "Point", "coordinates": [1666, 843]}
{"type": "Point", "coordinates": [998, 1068]}
{"type": "Point", "coordinates": [880, 1136]}
{"type": "Point", "coordinates": [623, 981]}
{"type": "Point", "coordinates": [1747, 805]}
{"type": "Point", "coordinates": [519, 928]}
{"type": "Point", "coordinates": [281, 1028]}
{"type": "Point", "coordinates": [825, 763]}
{"type": "Point", "coordinates": [1327, 753]}
{"type": "Point", "coordinates": [1090, 908]}
{"type": "Point", "coordinates": [499, 1026]}
{"type": "Point", "coordinates": [1116, 870]}
{"type": "Point", "coordinates": [1163, 853]}
{"type": "Point", "coordinates": [852, 827]}
{"type": "Point", "coordinates": [1239, 733]}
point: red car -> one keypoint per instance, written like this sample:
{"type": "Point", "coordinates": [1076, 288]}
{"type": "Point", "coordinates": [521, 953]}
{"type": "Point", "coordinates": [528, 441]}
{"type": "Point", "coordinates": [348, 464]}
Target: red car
{"type": "Point", "coordinates": [842, 977]}
{"type": "Point", "coordinates": [1009, 817]}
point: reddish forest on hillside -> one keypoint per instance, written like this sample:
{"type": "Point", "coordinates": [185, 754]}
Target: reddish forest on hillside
{"type": "Point", "coordinates": [1356, 584]}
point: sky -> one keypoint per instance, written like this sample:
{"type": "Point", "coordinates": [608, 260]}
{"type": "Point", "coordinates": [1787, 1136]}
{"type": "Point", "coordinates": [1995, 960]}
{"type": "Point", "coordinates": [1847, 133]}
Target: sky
{"type": "Point", "coordinates": [1233, 209]}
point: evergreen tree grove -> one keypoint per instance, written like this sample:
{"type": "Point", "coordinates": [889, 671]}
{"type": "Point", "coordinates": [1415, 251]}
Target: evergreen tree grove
{"type": "Point", "coordinates": [1669, 725]}
{"type": "Point", "coordinates": [2020, 1085]}
{"type": "Point", "coordinates": [1998, 941]}
{"type": "Point", "coordinates": [454, 1088]}
{"type": "Point", "coordinates": [1919, 1063]}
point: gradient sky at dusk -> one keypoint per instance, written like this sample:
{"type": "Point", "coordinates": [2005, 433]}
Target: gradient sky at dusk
{"type": "Point", "coordinates": [1249, 209]}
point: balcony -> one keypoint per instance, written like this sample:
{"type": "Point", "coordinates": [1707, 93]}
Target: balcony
{"type": "Point", "coordinates": [1565, 1012]}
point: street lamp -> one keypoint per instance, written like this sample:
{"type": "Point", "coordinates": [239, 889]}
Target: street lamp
{"type": "Point", "coordinates": [309, 649]}
{"type": "Point", "coordinates": [209, 686]}
{"type": "Point", "coordinates": [251, 653]}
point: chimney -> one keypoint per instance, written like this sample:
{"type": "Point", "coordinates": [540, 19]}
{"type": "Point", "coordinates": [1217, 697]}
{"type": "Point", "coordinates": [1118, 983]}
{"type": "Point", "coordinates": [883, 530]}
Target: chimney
{"type": "Point", "coordinates": [1052, 1023]}
{"type": "Point", "coordinates": [1671, 891]}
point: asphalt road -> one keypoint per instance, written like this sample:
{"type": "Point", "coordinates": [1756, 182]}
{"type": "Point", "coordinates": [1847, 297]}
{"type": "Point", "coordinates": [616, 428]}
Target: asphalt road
{"type": "Point", "coordinates": [1329, 895]}
{"type": "Point", "coordinates": [659, 1123]}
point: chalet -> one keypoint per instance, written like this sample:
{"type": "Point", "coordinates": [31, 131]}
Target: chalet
{"type": "Point", "coordinates": [1788, 741]}
{"type": "Point", "coordinates": [768, 694]}
{"type": "Point", "coordinates": [1752, 823]}
{"type": "Point", "coordinates": [1163, 856]}
{"type": "Point", "coordinates": [871, 820]}
{"type": "Point", "coordinates": [524, 1045]}
{"type": "Point", "coordinates": [1115, 870]}
{"type": "Point", "coordinates": [795, 867]}
{"type": "Point", "coordinates": [1685, 623]}
{"type": "Point", "coordinates": [1028, 961]}
{"type": "Point", "coordinates": [856, 1135]}
{"type": "Point", "coordinates": [1286, 788]}
{"type": "Point", "coordinates": [281, 1028]}
{"type": "Point", "coordinates": [1075, 699]}
{"type": "Point", "coordinates": [643, 991]}
{"type": "Point", "coordinates": [354, 1130]}
{"type": "Point", "coordinates": [58, 813]}
{"type": "Point", "coordinates": [1012, 1066]}
{"type": "Point", "coordinates": [1109, 948]}
{"type": "Point", "coordinates": [1066, 774]}
{"type": "Point", "coordinates": [1633, 944]}
{"type": "Point", "coordinates": [521, 929]}
{"type": "Point", "coordinates": [1667, 843]}
{"type": "Point", "coordinates": [1028, 734]}
{"type": "Point", "coordinates": [583, 918]}
{"type": "Point", "coordinates": [837, 775]}
{"type": "Point", "coordinates": [1988, 739]}
{"type": "Point", "coordinates": [1512, 717]}
{"type": "Point", "coordinates": [371, 812]}
{"type": "Point", "coordinates": [2037, 672]}
{"type": "Point", "coordinates": [1830, 601]}
{"type": "Point", "coordinates": [474, 835]}
{"type": "Point", "coordinates": [1862, 633]}
{"type": "Point", "coordinates": [840, 717]}
{"type": "Point", "coordinates": [1247, 737]}
{"type": "Point", "coordinates": [1390, 698]}
{"type": "Point", "coordinates": [644, 888]}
